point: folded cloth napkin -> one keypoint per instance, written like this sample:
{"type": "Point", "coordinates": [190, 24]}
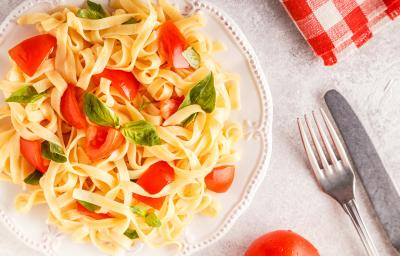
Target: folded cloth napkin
{"type": "Point", "coordinates": [332, 26]}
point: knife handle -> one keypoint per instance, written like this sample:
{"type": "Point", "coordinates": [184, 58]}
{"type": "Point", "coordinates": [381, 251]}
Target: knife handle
{"type": "Point", "coordinates": [352, 210]}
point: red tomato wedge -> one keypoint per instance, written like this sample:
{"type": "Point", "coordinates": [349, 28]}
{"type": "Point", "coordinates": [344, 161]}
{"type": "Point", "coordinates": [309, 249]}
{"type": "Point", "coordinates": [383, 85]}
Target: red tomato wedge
{"type": "Point", "coordinates": [169, 107]}
{"type": "Point", "coordinates": [125, 82]}
{"type": "Point", "coordinates": [281, 243]}
{"type": "Point", "coordinates": [31, 53]}
{"type": "Point", "coordinates": [102, 141]}
{"type": "Point", "coordinates": [220, 179]}
{"type": "Point", "coordinates": [32, 151]}
{"type": "Point", "coordinates": [98, 216]}
{"type": "Point", "coordinates": [171, 45]}
{"type": "Point", "coordinates": [153, 181]}
{"type": "Point", "coordinates": [71, 107]}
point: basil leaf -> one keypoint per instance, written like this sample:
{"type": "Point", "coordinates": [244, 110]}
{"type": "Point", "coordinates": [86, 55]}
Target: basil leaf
{"type": "Point", "coordinates": [53, 152]}
{"type": "Point", "coordinates": [190, 119]}
{"type": "Point", "coordinates": [96, 7]}
{"type": "Point", "coordinates": [185, 103]}
{"type": "Point", "coordinates": [26, 94]}
{"type": "Point", "coordinates": [141, 133]}
{"type": "Point", "coordinates": [93, 11]}
{"type": "Point", "coordinates": [203, 94]}
{"type": "Point", "coordinates": [89, 14]}
{"type": "Point", "coordinates": [99, 113]}
{"type": "Point", "coordinates": [89, 206]}
{"type": "Point", "coordinates": [139, 210]}
{"type": "Point", "coordinates": [33, 178]}
{"type": "Point", "coordinates": [152, 220]}
{"type": "Point", "coordinates": [132, 234]}
{"type": "Point", "coordinates": [131, 21]}
{"type": "Point", "coordinates": [192, 57]}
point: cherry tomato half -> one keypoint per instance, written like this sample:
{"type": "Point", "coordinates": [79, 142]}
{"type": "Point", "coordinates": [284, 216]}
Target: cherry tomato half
{"type": "Point", "coordinates": [71, 107]}
{"type": "Point", "coordinates": [171, 45]}
{"type": "Point", "coordinates": [32, 151]}
{"type": "Point", "coordinates": [281, 243]}
{"type": "Point", "coordinates": [153, 181]}
{"type": "Point", "coordinates": [125, 82]}
{"type": "Point", "coordinates": [169, 107]}
{"type": "Point", "coordinates": [102, 141]}
{"type": "Point", "coordinates": [220, 179]}
{"type": "Point", "coordinates": [30, 53]}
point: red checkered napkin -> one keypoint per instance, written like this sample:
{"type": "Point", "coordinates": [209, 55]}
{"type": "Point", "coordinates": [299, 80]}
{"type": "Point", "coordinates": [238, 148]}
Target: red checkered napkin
{"type": "Point", "coordinates": [332, 26]}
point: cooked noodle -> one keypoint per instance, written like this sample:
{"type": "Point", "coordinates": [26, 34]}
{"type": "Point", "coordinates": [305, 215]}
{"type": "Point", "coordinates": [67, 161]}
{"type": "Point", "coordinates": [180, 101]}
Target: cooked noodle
{"type": "Point", "coordinates": [84, 48]}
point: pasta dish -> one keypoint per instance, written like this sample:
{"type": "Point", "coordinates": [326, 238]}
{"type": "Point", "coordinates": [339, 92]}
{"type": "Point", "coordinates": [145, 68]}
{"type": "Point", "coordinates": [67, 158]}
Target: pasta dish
{"type": "Point", "coordinates": [118, 119]}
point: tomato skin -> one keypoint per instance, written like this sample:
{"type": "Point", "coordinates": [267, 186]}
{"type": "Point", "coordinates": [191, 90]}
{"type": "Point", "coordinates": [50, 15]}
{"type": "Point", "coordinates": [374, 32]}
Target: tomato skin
{"type": "Point", "coordinates": [102, 141]}
{"type": "Point", "coordinates": [30, 53]}
{"type": "Point", "coordinates": [171, 45]}
{"type": "Point", "coordinates": [98, 216]}
{"type": "Point", "coordinates": [169, 107]}
{"type": "Point", "coordinates": [125, 82]}
{"type": "Point", "coordinates": [281, 243]}
{"type": "Point", "coordinates": [71, 109]}
{"type": "Point", "coordinates": [153, 181]}
{"type": "Point", "coordinates": [32, 152]}
{"type": "Point", "coordinates": [220, 179]}
{"type": "Point", "coordinates": [156, 203]}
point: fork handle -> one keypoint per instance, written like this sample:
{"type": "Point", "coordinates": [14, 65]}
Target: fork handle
{"type": "Point", "coordinates": [352, 210]}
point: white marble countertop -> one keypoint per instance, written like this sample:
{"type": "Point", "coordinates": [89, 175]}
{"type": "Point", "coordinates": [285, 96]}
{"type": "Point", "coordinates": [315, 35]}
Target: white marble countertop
{"type": "Point", "coordinates": [289, 198]}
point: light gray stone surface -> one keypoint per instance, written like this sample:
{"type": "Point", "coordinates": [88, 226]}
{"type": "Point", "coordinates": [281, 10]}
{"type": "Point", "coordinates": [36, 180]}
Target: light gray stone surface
{"type": "Point", "coordinates": [289, 198]}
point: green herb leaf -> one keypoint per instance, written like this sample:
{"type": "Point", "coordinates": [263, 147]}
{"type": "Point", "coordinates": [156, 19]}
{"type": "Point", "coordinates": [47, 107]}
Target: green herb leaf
{"type": "Point", "coordinates": [141, 133]}
{"type": "Point", "coordinates": [190, 119]}
{"type": "Point", "coordinates": [139, 210]}
{"type": "Point", "coordinates": [53, 152]}
{"type": "Point", "coordinates": [33, 178]}
{"type": "Point", "coordinates": [93, 11]}
{"type": "Point", "coordinates": [203, 94]}
{"type": "Point", "coordinates": [192, 56]}
{"type": "Point", "coordinates": [99, 113]}
{"type": "Point", "coordinates": [89, 14]}
{"type": "Point", "coordinates": [131, 21]}
{"type": "Point", "coordinates": [186, 102]}
{"type": "Point", "coordinates": [131, 234]}
{"type": "Point", "coordinates": [89, 206]}
{"type": "Point", "coordinates": [152, 220]}
{"type": "Point", "coordinates": [96, 7]}
{"type": "Point", "coordinates": [26, 94]}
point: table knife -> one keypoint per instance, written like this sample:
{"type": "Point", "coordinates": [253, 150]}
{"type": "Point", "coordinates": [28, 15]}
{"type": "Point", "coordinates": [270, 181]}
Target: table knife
{"type": "Point", "coordinates": [380, 189]}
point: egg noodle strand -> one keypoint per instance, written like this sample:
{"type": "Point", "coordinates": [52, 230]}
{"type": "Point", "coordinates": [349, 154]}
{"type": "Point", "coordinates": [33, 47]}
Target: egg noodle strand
{"type": "Point", "coordinates": [84, 48]}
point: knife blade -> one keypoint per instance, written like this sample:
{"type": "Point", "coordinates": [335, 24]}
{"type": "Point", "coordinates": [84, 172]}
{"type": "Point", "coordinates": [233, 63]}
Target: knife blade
{"type": "Point", "coordinates": [380, 189]}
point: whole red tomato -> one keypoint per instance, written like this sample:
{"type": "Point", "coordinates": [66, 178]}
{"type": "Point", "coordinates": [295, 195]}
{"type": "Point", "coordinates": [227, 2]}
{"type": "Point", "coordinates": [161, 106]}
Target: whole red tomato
{"type": "Point", "coordinates": [281, 243]}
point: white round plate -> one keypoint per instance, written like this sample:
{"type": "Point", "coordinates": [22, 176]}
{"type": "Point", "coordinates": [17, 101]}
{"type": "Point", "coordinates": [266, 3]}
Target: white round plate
{"type": "Point", "coordinates": [256, 116]}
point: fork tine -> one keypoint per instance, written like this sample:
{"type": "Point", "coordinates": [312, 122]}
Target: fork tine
{"type": "Point", "coordinates": [317, 145]}
{"type": "Point", "coordinates": [309, 151]}
{"type": "Point", "coordinates": [335, 138]}
{"type": "Point", "coordinates": [325, 140]}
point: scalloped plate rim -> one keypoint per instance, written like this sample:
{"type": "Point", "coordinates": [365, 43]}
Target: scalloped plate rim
{"type": "Point", "coordinates": [264, 131]}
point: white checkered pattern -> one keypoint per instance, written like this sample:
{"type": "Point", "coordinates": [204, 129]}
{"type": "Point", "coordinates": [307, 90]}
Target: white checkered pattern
{"type": "Point", "coordinates": [331, 26]}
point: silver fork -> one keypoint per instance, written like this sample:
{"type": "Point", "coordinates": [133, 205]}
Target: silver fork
{"type": "Point", "coordinates": [334, 172]}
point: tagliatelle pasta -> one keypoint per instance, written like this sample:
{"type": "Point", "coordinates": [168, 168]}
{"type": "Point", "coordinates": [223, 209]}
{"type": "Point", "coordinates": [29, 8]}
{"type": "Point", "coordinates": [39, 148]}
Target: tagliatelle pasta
{"type": "Point", "coordinates": [193, 140]}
